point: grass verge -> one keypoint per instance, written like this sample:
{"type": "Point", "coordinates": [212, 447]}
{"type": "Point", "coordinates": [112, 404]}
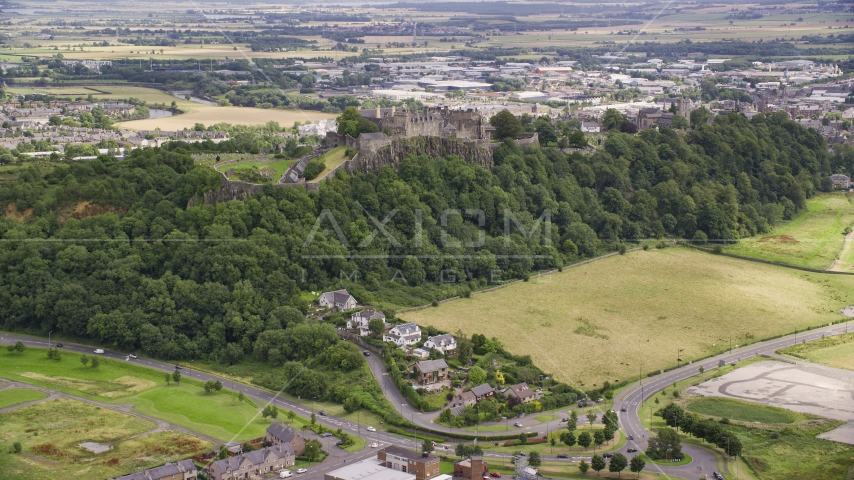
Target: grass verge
{"type": "Point", "coordinates": [14, 396]}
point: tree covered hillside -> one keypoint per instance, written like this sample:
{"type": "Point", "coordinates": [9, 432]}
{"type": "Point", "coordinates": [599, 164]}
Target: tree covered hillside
{"type": "Point", "coordinates": [223, 282]}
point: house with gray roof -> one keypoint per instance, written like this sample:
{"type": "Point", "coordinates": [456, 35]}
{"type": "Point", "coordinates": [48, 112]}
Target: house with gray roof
{"type": "Point", "coordinates": [339, 300]}
{"type": "Point", "coordinates": [521, 392]}
{"type": "Point", "coordinates": [446, 343]}
{"type": "Point", "coordinates": [404, 334]}
{"type": "Point", "coordinates": [257, 463]}
{"type": "Point", "coordinates": [483, 391]}
{"type": "Point", "coordinates": [431, 371]}
{"type": "Point", "coordinates": [278, 433]}
{"type": "Point", "coordinates": [181, 470]}
{"type": "Point", "coordinates": [361, 320]}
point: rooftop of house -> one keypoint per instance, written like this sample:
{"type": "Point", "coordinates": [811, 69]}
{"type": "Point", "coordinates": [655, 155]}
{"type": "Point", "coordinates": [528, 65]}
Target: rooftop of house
{"type": "Point", "coordinates": [431, 365]}
{"type": "Point", "coordinates": [164, 471]}
{"type": "Point", "coordinates": [482, 390]}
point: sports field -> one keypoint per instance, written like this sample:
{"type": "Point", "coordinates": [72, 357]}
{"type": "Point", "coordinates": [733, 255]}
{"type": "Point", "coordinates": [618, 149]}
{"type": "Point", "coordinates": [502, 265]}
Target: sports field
{"type": "Point", "coordinates": [234, 115]}
{"type": "Point", "coordinates": [813, 239]}
{"type": "Point", "coordinates": [50, 434]}
{"type": "Point", "coordinates": [218, 415]}
{"type": "Point", "coordinates": [610, 319]}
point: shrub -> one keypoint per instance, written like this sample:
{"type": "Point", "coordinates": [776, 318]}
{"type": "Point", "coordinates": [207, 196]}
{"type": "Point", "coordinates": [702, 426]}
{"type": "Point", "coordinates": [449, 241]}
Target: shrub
{"type": "Point", "coordinates": [314, 168]}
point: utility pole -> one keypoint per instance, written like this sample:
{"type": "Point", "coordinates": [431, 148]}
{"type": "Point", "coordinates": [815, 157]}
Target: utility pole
{"type": "Point", "coordinates": [48, 338]}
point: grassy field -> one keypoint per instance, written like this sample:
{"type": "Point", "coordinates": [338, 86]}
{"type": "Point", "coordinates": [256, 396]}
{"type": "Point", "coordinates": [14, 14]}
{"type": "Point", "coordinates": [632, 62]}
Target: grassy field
{"type": "Point", "coordinates": [740, 410]}
{"type": "Point", "coordinates": [608, 319]}
{"type": "Point", "coordinates": [185, 404]}
{"type": "Point", "coordinates": [834, 351]}
{"type": "Point", "coordinates": [50, 434]}
{"type": "Point", "coordinates": [278, 167]}
{"type": "Point", "coordinates": [101, 92]}
{"type": "Point", "coordinates": [813, 239]}
{"type": "Point", "coordinates": [333, 159]}
{"type": "Point", "coordinates": [234, 115]}
{"type": "Point", "coordinates": [14, 396]}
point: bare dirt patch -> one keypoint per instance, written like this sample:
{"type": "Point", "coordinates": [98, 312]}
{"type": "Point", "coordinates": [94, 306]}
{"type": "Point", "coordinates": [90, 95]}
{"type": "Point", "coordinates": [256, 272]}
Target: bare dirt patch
{"type": "Point", "coordinates": [120, 387]}
{"type": "Point", "coordinates": [784, 239]}
{"type": "Point", "coordinates": [13, 213]}
{"type": "Point", "coordinates": [134, 385]}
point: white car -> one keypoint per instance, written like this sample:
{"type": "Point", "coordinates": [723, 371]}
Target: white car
{"type": "Point", "coordinates": [372, 429]}
{"type": "Point", "coordinates": [132, 356]}
{"type": "Point", "coordinates": [375, 445]}
{"type": "Point", "coordinates": [301, 470]}
{"type": "Point", "coordinates": [99, 351]}
{"type": "Point", "coordinates": [286, 474]}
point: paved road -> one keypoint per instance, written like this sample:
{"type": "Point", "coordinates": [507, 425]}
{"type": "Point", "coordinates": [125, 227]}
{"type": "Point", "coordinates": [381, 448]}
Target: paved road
{"type": "Point", "coordinates": [629, 397]}
{"type": "Point", "coordinates": [632, 396]}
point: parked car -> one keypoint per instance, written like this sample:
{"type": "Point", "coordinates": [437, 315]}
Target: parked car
{"type": "Point", "coordinates": [517, 424]}
{"type": "Point", "coordinates": [301, 470]}
{"type": "Point", "coordinates": [339, 443]}
{"type": "Point", "coordinates": [286, 474]}
{"type": "Point", "coordinates": [371, 429]}
{"type": "Point", "coordinates": [718, 476]}
{"type": "Point", "coordinates": [367, 353]}
{"type": "Point", "coordinates": [322, 413]}
{"type": "Point", "coordinates": [375, 445]}
{"type": "Point", "coordinates": [132, 355]}
{"type": "Point", "coordinates": [99, 351]}
{"type": "Point", "coordinates": [325, 435]}
{"type": "Point", "coordinates": [495, 475]}
{"type": "Point", "coordinates": [562, 455]}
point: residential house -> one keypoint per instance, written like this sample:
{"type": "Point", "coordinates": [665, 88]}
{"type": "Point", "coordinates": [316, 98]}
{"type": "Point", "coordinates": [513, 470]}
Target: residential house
{"type": "Point", "coordinates": [339, 300]}
{"type": "Point", "coordinates": [278, 433]}
{"type": "Point", "coordinates": [840, 181]}
{"type": "Point", "coordinates": [180, 470]}
{"type": "Point", "coordinates": [590, 127]}
{"type": "Point", "coordinates": [404, 334]}
{"type": "Point", "coordinates": [521, 392]}
{"type": "Point", "coordinates": [361, 321]}
{"type": "Point", "coordinates": [446, 343]}
{"type": "Point", "coordinates": [257, 463]}
{"type": "Point", "coordinates": [483, 391]}
{"type": "Point", "coordinates": [409, 461]}
{"type": "Point", "coordinates": [465, 399]}
{"type": "Point", "coordinates": [431, 371]}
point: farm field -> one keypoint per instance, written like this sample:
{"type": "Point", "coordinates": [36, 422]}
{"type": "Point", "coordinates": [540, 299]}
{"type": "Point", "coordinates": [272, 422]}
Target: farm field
{"type": "Point", "coordinates": [333, 159]}
{"type": "Point", "coordinates": [813, 239]}
{"type": "Point", "coordinates": [636, 310]}
{"type": "Point", "coordinates": [50, 434]}
{"type": "Point", "coordinates": [150, 95]}
{"type": "Point", "coordinates": [234, 115]}
{"type": "Point", "coordinates": [185, 404]}
{"type": "Point", "coordinates": [834, 352]}
{"type": "Point", "coordinates": [14, 396]}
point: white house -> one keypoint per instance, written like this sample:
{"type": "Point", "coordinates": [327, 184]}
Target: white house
{"type": "Point", "coordinates": [404, 334]}
{"type": "Point", "coordinates": [444, 343]}
{"type": "Point", "coordinates": [361, 321]}
{"type": "Point", "coordinates": [590, 127]}
{"type": "Point", "coordinates": [339, 300]}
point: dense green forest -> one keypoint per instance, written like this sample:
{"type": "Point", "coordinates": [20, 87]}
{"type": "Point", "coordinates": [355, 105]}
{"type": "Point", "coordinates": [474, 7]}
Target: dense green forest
{"type": "Point", "coordinates": [225, 282]}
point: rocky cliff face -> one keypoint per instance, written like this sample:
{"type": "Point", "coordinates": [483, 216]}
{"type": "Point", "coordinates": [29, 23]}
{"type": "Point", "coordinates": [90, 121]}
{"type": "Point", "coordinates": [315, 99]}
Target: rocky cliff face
{"type": "Point", "coordinates": [228, 190]}
{"type": "Point", "coordinates": [400, 148]}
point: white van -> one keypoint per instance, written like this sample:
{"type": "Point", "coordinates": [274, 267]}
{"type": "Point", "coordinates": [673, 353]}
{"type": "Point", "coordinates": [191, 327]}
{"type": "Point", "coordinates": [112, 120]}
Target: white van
{"type": "Point", "coordinates": [286, 474]}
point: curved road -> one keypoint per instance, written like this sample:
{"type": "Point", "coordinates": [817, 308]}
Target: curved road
{"type": "Point", "coordinates": [630, 397]}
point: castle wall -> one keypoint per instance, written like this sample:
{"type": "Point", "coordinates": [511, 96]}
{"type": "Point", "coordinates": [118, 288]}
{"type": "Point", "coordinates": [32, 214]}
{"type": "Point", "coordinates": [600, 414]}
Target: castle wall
{"type": "Point", "coordinates": [399, 149]}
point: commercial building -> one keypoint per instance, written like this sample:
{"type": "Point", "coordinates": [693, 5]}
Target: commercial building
{"type": "Point", "coordinates": [409, 461]}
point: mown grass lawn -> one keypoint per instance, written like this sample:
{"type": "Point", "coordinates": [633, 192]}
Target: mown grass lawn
{"type": "Point", "coordinates": [333, 159]}
{"type": "Point", "coordinates": [608, 319]}
{"type": "Point", "coordinates": [740, 410]}
{"type": "Point", "coordinates": [812, 239]}
{"type": "Point", "coordinates": [14, 396]}
{"type": "Point", "coordinates": [278, 167]}
{"type": "Point", "coordinates": [51, 432]}
{"type": "Point", "coordinates": [218, 415]}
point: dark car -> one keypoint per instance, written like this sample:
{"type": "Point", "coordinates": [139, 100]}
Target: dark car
{"type": "Point", "coordinates": [607, 455]}
{"type": "Point", "coordinates": [58, 345]}
{"type": "Point", "coordinates": [367, 353]}
{"type": "Point", "coordinates": [322, 413]}
{"type": "Point", "coordinates": [718, 476]}
{"type": "Point", "coordinates": [562, 455]}
{"type": "Point", "coordinates": [632, 450]}
{"type": "Point", "coordinates": [178, 367]}
{"type": "Point", "coordinates": [624, 409]}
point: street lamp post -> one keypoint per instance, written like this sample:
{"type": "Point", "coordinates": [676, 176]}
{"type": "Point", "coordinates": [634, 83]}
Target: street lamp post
{"type": "Point", "coordinates": [48, 338]}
